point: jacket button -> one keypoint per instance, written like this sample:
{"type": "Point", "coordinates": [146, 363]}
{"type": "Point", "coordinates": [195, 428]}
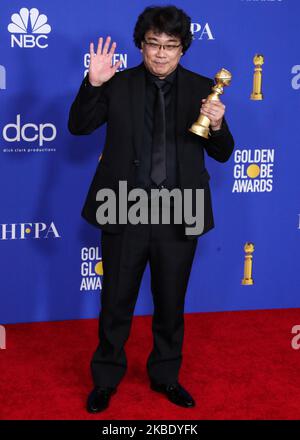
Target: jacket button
{"type": "Point", "coordinates": [136, 162]}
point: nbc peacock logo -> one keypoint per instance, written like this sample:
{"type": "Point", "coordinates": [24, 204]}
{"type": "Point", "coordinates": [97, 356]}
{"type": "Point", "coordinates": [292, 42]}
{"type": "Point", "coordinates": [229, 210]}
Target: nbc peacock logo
{"type": "Point", "coordinates": [29, 29]}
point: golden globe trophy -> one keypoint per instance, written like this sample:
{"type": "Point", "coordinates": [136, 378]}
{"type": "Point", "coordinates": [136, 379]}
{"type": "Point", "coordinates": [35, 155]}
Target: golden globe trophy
{"type": "Point", "coordinates": [256, 94]}
{"type": "Point", "coordinates": [249, 249]}
{"type": "Point", "coordinates": [201, 126]}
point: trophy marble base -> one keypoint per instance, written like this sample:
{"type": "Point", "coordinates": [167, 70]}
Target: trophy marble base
{"type": "Point", "coordinates": [247, 282]}
{"type": "Point", "coordinates": [200, 130]}
{"type": "Point", "coordinates": [257, 96]}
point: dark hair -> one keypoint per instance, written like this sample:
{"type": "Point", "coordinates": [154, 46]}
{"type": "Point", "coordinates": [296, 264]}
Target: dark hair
{"type": "Point", "coordinates": [167, 19]}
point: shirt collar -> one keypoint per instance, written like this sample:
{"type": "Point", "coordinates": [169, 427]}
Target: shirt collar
{"type": "Point", "coordinates": [169, 78]}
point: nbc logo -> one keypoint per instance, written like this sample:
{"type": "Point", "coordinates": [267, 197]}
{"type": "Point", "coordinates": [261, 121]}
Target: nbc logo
{"type": "Point", "coordinates": [28, 29]}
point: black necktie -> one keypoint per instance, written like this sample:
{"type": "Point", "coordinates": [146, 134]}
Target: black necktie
{"type": "Point", "coordinates": [158, 167]}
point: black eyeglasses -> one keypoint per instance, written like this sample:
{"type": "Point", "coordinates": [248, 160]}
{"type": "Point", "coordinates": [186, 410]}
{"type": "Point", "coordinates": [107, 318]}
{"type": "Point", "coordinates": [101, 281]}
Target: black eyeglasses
{"type": "Point", "coordinates": [167, 47]}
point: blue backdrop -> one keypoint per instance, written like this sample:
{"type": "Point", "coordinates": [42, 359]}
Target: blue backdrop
{"type": "Point", "coordinates": [50, 257]}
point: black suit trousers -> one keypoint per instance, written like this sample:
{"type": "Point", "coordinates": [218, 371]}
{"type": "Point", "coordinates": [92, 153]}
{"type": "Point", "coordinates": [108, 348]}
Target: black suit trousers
{"type": "Point", "coordinates": [125, 257]}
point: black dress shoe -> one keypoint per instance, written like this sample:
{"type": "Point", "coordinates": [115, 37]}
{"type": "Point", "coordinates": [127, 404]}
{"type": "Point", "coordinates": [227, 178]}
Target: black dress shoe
{"type": "Point", "coordinates": [175, 393]}
{"type": "Point", "coordinates": [99, 398]}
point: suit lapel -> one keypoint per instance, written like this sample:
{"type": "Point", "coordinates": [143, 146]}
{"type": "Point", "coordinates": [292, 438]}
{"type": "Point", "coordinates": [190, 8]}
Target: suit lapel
{"type": "Point", "coordinates": [183, 110]}
{"type": "Point", "coordinates": [137, 96]}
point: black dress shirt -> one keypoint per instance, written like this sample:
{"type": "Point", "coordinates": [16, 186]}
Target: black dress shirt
{"type": "Point", "coordinates": [142, 176]}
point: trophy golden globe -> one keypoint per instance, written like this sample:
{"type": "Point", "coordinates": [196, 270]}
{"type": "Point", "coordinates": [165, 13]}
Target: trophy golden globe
{"type": "Point", "coordinates": [256, 94]}
{"type": "Point", "coordinates": [249, 249]}
{"type": "Point", "coordinates": [201, 126]}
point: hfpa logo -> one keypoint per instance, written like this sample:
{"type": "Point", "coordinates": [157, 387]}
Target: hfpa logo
{"type": "Point", "coordinates": [28, 29]}
{"type": "Point", "coordinates": [22, 231]}
{"type": "Point", "coordinates": [201, 32]}
{"type": "Point", "coordinates": [2, 78]}
{"type": "Point", "coordinates": [2, 338]}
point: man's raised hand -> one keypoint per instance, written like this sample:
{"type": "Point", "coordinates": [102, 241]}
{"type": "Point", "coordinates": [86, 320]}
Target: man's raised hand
{"type": "Point", "coordinates": [101, 69]}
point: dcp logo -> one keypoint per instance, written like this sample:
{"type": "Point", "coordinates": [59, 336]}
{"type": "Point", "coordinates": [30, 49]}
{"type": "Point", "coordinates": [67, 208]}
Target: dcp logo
{"type": "Point", "coordinates": [29, 29]}
{"type": "Point", "coordinates": [29, 132]}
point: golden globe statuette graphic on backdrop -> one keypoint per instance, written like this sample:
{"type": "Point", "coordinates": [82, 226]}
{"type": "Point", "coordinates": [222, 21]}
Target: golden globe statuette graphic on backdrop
{"type": "Point", "coordinates": [256, 94]}
{"type": "Point", "coordinates": [201, 126]}
{"type": "Point", "coordinates": [249, 249]}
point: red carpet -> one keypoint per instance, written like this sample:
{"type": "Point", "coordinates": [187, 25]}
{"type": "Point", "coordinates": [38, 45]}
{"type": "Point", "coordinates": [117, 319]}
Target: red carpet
{"type": "Point", "coordinates": [237, 365]}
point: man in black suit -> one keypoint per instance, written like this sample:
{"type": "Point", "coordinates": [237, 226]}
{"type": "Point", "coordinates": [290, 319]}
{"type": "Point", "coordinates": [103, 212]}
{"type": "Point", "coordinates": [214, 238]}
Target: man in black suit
{"type": "Point", "coordinates": [148, 110]}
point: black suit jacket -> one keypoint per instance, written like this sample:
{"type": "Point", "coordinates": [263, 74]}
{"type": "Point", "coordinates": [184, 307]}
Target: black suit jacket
{"type": "Point", "coordinates": [120, 103]}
